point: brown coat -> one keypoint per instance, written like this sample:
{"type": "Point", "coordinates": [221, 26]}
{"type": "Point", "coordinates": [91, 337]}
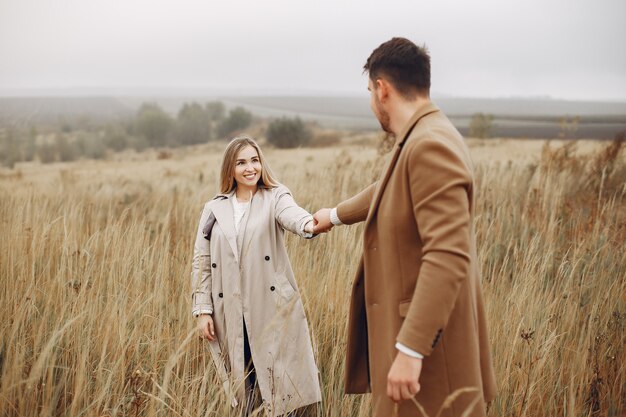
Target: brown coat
{"type": "Point", "coordinates": [418, 282]}
{"type": "Point", "coordinates": [248, 276]}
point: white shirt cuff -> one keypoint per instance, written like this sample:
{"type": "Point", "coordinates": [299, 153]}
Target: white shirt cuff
{"type": "Point", "coordinates": [334, 219]}
{"type": "Point", "coordinates": [409, 352]}
{"type": "Point", "coordinates": [199, 312]}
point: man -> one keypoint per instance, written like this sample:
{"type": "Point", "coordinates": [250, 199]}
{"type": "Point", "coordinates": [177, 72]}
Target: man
{"type": "Point", "coordinates": [417, 331]}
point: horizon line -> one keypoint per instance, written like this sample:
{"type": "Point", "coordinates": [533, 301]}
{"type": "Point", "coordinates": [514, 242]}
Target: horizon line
{"type": "Point", "coordinates": [208, 92]}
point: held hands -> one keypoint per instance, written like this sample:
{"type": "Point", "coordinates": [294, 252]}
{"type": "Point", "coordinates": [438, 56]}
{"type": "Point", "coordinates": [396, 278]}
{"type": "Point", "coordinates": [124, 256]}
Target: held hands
{"type": "Point", "coordinates": [321, 221]}
{"type": "Point", "coordinates": [205, 327]}
{"type": "Point", "coordinates": [403, 378]}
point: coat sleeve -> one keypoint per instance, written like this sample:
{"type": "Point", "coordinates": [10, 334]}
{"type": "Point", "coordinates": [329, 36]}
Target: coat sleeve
{"type": "Point", "coordinates": [356, 208]}
{"type": "Point", "coordinates": [289, 214]}
{"type": "Point", "coordinates": [201, 299]}
{"type": "Point", "coordinates": [439, 187]}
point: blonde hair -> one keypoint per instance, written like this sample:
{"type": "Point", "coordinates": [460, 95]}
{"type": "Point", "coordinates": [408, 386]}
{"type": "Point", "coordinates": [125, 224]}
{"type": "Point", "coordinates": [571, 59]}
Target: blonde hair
{"type": "Point", "coordinates": [227, 176]}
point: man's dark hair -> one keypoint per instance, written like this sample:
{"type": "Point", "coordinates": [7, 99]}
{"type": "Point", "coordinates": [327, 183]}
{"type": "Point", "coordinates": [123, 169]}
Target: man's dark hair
{"type": "Point", "coordinates": [405, 65]}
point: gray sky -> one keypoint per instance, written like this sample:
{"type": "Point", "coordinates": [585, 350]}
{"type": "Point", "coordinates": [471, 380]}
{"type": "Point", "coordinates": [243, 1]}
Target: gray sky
{"type": "Point", "coordinates": [572, 49]}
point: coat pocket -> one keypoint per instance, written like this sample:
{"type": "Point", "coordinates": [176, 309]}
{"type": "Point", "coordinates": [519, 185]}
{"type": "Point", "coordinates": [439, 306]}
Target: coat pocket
{"type": "Point", "coordinates": [286, 290]}
{"type": "Point", "coordinates": [403, 308]}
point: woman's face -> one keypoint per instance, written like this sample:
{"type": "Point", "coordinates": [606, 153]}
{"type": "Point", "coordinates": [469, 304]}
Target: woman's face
{"type": "Point", "coordinates": [247, 167]}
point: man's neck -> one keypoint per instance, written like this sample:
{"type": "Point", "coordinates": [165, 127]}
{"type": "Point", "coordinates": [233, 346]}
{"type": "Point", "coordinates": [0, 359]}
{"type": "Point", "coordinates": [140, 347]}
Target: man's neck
{"type": "Point", "coordinates": [402, 112]}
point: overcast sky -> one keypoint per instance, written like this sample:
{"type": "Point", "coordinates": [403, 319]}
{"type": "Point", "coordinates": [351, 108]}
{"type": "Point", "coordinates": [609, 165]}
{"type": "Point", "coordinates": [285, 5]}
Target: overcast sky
{"type": "Point", "coordinates": [571, 49]}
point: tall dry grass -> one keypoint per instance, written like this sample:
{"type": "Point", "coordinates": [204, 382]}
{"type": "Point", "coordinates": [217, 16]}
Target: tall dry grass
{"type": "Point", "coordinates": [95, 266]}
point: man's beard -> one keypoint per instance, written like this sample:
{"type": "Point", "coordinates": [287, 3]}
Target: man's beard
{"type": "Point", "coordinates": [384, 124]}
{"type": "Point", "coordinates": [389, 139]}
{"type": "Point", "coordinates": [383, 118]}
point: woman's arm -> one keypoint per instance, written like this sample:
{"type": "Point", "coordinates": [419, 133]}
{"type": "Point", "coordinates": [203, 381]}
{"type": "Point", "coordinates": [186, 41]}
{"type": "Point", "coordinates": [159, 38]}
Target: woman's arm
{"type": "Point", "coordinates": [290, 215]}
{"type": "Point", "coordinates": [202, 302]}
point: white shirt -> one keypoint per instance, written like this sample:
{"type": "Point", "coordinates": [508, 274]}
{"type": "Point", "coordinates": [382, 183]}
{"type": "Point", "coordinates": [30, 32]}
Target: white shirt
{"type": "Point", "coordinates": [239, 210]}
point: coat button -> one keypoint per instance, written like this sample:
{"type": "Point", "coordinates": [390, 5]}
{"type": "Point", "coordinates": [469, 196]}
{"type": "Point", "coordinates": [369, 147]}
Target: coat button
{"type": "Point", "coordinates": [272, 288]}
{"type": "Point", "coordinates": [267, 258]}
{"type": "Point", "coordinates": [220, 295]}
{"type": "Point", "coordinates": [214, 265]}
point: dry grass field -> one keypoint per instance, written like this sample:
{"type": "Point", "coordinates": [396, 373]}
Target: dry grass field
{"type": "Point", "coordinates": [95, 265]}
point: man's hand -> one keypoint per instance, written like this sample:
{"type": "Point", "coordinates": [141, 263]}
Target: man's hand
{"type": "Point", "coordinates": [321, 221]}
{"type": "Point", "coordinates": [403, 378]}
{"type": "Point", "coordinates": [205, 327]}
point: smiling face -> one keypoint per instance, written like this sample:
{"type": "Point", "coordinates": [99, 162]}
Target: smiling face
{"type": "Point", "coordinates": [248, 168]}
{"type": "Point", "coordinates": [243, 161]}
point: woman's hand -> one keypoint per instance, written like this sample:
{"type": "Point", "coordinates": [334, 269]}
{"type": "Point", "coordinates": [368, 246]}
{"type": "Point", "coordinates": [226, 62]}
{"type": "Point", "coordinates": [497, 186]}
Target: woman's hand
{"type": "Point", "coordinates": [205, 327]}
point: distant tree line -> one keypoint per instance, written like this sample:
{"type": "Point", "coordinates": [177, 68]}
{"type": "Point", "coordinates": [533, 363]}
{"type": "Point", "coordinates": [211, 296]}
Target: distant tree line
{"type": "Point", "coordinates": [288, 133]}
{"type": "Point", "coordinates": [194, 124]}
{"type": "Point", "coordinates": [151, 126]}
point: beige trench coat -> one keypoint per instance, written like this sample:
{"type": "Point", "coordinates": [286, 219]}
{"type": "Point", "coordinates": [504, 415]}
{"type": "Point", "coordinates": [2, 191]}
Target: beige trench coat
{"type": "Point", "coordinates": [247, 276]}
{"type": "Point", "coordinates": [418, 282]}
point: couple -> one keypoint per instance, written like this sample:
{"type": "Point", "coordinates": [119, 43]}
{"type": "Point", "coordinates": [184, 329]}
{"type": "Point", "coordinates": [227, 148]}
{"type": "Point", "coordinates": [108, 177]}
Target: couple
{"type": "Point", "coordinates": [417, 327]}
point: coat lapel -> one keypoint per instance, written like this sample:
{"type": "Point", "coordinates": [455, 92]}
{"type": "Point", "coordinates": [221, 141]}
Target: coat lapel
{"type": "Point", "coordinates": [402, 137]}
{"type": "Point", "coordinates": [223, 211]}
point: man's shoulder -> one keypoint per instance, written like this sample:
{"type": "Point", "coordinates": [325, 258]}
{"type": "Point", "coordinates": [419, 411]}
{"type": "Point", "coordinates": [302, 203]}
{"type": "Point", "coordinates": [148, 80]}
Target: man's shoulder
{"type": "Point", "coordinates": [437, 130]}
{"type": "Point", "coordinates": [435, 125]}
{"type": "Point", "coordinates": [434, 138]}
{"type": "Point", "coordinates": [439, 145]}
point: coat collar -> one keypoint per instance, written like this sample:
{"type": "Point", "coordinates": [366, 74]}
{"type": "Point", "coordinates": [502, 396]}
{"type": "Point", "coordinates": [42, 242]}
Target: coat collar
{"type": "Point", "coordinates": [426, 109]}
{"type": "Point", "coordinates": [223, 211]}
{"type": "Point", "coordinates": [421, 112]}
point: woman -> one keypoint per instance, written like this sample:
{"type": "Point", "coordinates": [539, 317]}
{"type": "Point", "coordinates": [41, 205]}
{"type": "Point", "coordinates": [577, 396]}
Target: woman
{"type": "Point", "coordinates": [245, 296]}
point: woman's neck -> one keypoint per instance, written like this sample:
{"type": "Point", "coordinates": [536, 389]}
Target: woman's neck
{"type": "Point", "coordinates": [244, 193]}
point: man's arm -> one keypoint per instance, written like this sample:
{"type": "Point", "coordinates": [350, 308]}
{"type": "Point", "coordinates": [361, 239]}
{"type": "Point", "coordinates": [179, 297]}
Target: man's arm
{"type": "Point", "coordinates": [355, 209]}
{"type": "Point", "coordinates": [350, 211]}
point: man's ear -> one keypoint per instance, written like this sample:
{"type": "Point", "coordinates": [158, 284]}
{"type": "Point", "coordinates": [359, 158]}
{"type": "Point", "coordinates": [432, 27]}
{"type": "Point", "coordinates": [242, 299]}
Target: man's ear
{"type": "Point", "coordinates": [382, 89]}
